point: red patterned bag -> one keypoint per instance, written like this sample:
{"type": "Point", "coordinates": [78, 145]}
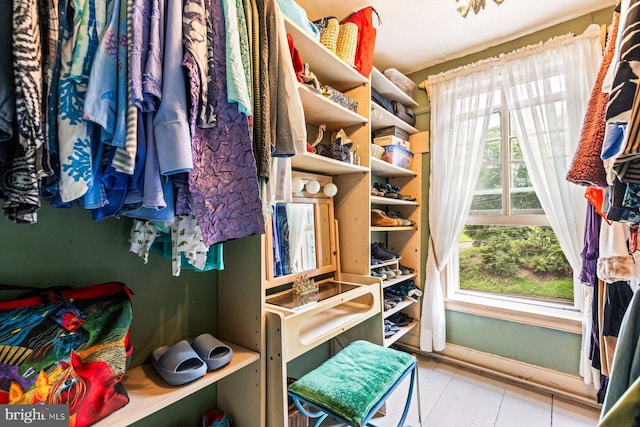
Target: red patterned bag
{"type": "Point", "coordinates": [66, 346]}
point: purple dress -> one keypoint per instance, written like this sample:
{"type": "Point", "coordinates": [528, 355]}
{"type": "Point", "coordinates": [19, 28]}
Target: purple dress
{"type": "Point", "coordinates": [223, 183]}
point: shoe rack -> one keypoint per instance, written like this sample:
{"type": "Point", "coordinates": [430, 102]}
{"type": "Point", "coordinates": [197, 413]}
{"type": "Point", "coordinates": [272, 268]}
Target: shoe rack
{"type": "Point", "coordinates": [402, 240]}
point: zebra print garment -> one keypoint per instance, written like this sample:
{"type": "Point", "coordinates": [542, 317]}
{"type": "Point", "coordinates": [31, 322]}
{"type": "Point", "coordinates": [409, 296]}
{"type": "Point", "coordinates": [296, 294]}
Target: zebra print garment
{"type": "Point", "coordinates": [627, 71]}
{"type": "Point", "coordinates": [20, 184]}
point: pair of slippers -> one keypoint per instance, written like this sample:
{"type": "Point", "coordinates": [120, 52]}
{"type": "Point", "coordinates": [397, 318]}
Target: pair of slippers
{"type": "Point", "coordinates": [189, 360]}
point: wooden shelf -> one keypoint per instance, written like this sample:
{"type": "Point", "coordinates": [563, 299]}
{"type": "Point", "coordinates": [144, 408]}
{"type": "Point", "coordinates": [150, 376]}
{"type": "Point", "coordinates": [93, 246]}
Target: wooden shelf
{"type": "Point", "coordinates": [394, 261]}
{"type": "Point", "coordinates": [390, 91]}
{"type": "Point", "coordinates": [386, 169]}
{"type": "Point", "coordinates": [381, 118]}
{"type": "Point", "coordinates": [148, 393]}
{"type": "Point", "coordinates": [377, 200]}
{"type": "Point", "coordinates": [396, 280]}
{"type": "Point", "coordinates": [318, 109]}
{"type": "Point", "coordinates": [329, 68]}
{"type": "Point", "coordinates": [403, 331]}
{"type": "Point", "coordinates": [396, 308]}
{"type": "Point", "coordinates": [315, 163]}
{"type": "Point", "coordinates": [409, 228]}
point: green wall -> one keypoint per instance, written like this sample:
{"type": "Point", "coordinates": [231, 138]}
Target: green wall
{"type": "Point", "coordinates": [545, 347]}
{"type": "Point", "coordinates": [66, 247]}
{"type": "Point", "coordinates": [539, 346]}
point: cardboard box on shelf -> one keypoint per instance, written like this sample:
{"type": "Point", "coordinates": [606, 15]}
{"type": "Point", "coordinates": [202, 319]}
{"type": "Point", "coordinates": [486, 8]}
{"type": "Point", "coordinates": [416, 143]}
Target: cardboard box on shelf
{"type": "Point", "coordinates": [392, 140]}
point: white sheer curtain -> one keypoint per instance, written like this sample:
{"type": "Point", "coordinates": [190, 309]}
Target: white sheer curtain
{"type": "Point", "coordinates": [460, 110]}
{"type": "Point", "coordinates": [547, 90]}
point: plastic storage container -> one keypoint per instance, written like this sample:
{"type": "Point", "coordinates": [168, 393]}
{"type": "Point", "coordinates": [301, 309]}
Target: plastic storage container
{"type": "Point", "coordinates": [401, 81]}
{"type": "Point", "coordinates": [392, 140]}
{"type": "Point", "coordinates": [398, 156]}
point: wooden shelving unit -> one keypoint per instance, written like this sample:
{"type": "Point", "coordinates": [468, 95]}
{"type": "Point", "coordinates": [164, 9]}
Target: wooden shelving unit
{"type": "Point", "coordinates": [381, 118]}
{"type": "Point", "coordinates": [148, 393]}
{"type": "Point", "coordinates": [404, 241]}
{"type": "Point", "coordinates": [387, 89]}
{"type": "Point", "coordinates": [387, 170]}
{"type": "Point", "coordinates": [320, 110]}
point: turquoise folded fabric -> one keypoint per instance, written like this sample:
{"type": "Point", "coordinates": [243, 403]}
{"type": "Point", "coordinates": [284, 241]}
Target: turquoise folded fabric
{"type": "Point", "coordinates": [354, 380]}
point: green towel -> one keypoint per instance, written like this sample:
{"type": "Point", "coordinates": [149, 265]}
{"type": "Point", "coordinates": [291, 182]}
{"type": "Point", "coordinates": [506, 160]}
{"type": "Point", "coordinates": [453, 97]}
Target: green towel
{"type": "Point", "coordinates": [354, 380]}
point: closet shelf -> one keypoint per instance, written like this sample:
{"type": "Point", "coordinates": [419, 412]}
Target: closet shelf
{"type": "Point", "coordinates": [377, 200]}
{"type": "Point", "coordinates": [403, 331]}
{"type": "Point", "coordinates": [408, 228]}
{"type": "Point", "coordinates": [319, 109]}
{"type": "Point", "coordinates": [381, 118]}
{"type": "Point", "coordinates": [329, 68]}
{"type": "Point", "coordinates": [386, 169]}
{"type": "Point", "coordinates": [386, 88]}
{"type": "Point", "coordinates": [398, 307]}
{"type": "Point", "coordinates": [396, 280]}
{"type": "Point", "coordinates": [148, 393]}
{"type": "Point", "coordinates": [311, 162]}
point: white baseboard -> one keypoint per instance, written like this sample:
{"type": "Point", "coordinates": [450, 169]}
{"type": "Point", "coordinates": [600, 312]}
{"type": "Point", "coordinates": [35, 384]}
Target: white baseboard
{"type": "Point", "coordinates": [563, 385]}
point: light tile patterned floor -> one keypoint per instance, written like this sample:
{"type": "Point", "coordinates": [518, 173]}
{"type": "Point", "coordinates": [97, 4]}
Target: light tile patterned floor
{"type": "Point", "coordinates": [452, 397]}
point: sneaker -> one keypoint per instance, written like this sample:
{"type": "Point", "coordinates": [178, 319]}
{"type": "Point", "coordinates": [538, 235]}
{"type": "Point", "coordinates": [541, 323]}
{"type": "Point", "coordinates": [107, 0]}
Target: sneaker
{"type": "Point", "coordinates": [380, 219]}
{"type": "Point", "coordinates": [376, 261]}
{"type": "Point", "coordinates": [405, 270]}
{"type": "Point", "coordinates": [378, 250]}
{"type": "Point", "coordinates": [396, 215]}
{"type": "Point", "coordinates": [390, 274]}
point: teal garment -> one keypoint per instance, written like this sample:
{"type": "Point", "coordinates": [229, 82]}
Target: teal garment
{"type": "Point", "coordinates": [623, 391]}
{"type": "Point", "coordinates": [298, 15]}
{"type": "Point", "coordinates": [215, 261]}
{"type": "Point", "coordinates": [237, 49]}
{"type": "Point", "coordinates": [351, 383]}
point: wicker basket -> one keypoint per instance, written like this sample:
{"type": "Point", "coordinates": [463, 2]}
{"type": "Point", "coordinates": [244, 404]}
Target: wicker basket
{"type": "Point", "coordinates": [347, 43]}
{"type": "Point", "coordinates": [329, 29]}
{"type": "Point", "coordinates": [377, 151]}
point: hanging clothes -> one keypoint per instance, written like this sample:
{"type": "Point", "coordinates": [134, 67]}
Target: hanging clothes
{"type": "Point", "coordinates": [223, 182]}
{"type": "Point", "coordinates": [623, 392]}
{"type": "Point", "coordinates": [261, 92]}
{"type": "Point", "coordinates": [79, 47]}
{"type": "Point", "coordinates": [587, 168]}
{"type": "Point", "coordinates": [20, 180]}
{"type": "Point", "coordinates": [171, 124]}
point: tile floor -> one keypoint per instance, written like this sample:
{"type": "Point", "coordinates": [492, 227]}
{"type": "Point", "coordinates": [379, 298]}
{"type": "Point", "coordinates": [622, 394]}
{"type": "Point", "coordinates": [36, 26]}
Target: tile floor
{"type": "Point", "coordinates": [453, 397]}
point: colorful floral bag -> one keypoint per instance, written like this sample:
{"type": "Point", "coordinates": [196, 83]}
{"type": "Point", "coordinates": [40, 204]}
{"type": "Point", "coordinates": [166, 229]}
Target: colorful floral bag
{"type": "Point", "coordinates": [66, 346]}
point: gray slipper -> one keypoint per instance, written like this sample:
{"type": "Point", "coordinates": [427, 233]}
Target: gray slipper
{"type": "Point", "coordinates": [178, 364]}
{"type": "Point", "coordinates": [215, 353]}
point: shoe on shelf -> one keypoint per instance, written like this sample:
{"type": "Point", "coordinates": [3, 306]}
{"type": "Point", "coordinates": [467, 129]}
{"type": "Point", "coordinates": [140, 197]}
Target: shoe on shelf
{"type": "Point", "coordinates": [405, 270]}
{"type": "Point", "coordinates": [380, 219]}
{"type": "Point", "coordinates": [390, 274]}
{"type": "Point", "coordinates": [376, 192]}
{"type": "Point", "coordinates": [379, 273]}
{"type": "Point", "coordinates": [396, 215]}
{"type": "Point", "coordinates": [378, 250]}
{"type": "Point", "coordinates": [376, 261]}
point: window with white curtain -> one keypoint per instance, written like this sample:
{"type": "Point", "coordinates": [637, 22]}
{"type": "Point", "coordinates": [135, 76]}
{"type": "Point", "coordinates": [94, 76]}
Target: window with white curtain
{"type": "Point", "coordinates": [543, 93]}
{"type": "Point", "coordinates": [507, 249]}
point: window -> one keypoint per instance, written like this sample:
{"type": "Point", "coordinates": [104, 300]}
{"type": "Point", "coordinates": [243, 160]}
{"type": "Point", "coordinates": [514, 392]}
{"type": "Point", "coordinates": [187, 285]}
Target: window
{"type": "Point", "coordinates": [507, 248]}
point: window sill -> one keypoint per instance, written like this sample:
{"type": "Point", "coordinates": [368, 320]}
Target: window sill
{"type": "Point", "coordinates": [559, 317]}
